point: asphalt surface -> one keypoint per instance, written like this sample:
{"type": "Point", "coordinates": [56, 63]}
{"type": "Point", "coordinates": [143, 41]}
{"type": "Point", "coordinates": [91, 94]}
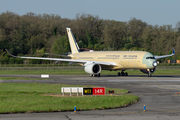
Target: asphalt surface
{"type": "Point", "coordinates": [157, 93]}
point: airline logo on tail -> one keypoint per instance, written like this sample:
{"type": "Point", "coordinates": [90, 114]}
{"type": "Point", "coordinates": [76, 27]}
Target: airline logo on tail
{"type": "Point", "coordinates": [72, 41]}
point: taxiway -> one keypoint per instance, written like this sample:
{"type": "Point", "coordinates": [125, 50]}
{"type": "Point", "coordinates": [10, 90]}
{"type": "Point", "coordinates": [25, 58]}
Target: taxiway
{"type": "Point", "coordinates": [157, 93]}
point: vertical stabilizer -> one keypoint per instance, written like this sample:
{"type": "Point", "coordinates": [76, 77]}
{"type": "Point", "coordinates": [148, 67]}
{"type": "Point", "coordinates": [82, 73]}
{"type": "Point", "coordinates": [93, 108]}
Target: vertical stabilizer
{"type": "Point", "coordinates": [72, 41]}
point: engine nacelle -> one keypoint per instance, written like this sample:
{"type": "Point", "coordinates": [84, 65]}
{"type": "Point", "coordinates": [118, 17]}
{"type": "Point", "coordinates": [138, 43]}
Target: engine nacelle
{"type": "Point", "coordinates": [92, 68]}
{"type": "Point", "coordinates": [146, 72]}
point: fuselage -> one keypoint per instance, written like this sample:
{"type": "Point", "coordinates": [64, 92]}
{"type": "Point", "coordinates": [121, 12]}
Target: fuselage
{"type": "Point", "coordinates": [123, 59]}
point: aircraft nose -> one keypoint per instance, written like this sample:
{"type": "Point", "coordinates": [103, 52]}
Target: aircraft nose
{"type": "Point", "coordinates": [154, 63]}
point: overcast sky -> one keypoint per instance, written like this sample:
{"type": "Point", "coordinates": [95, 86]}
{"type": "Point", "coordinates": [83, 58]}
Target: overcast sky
{"type": "Point", "coordinates": [160, 12]}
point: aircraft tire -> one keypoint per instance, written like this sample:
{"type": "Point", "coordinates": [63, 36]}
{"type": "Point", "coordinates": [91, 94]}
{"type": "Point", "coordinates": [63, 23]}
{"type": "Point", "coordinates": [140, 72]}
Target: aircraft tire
{"type": "Point", "coordinates": [119, 74]}
{"type": "Point", "coordinates": [122, 73]}
{"type": "Point", "coordinates": [126, 74]}
{"type": "Point", "coordinates": [99, 75]}
{"type": "Point", "coordinates": [149, 75]}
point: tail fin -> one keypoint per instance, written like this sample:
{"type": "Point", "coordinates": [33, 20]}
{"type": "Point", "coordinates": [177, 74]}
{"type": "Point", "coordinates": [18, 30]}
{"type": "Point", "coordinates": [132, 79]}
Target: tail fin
{"type": "Point", "coordinates": [72, 41]}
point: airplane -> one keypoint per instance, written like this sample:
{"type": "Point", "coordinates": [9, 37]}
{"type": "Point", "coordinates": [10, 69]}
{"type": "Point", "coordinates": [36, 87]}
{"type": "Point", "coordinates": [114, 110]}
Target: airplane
{"type": "Point", "coordinates": [95, 61]}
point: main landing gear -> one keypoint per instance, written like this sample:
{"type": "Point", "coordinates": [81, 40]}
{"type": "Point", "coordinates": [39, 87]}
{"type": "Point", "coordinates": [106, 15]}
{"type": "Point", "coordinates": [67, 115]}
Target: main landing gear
{"type": "Point", "coordinates": [95, 75]}
{"type": "Point", "coordinates": [122, 73]}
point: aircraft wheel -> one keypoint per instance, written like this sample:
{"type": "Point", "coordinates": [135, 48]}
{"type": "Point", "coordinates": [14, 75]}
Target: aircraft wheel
{"type": "Point", "coordinates": [149, 75]}
{"type": "Point", "coordinates": [119, 74]}
{"type": "Point", "coordinates": [99, 75]}
{"type": "Point", "coordinates": [90, 75]}
{"type": "Point", "coordinates": [126, 74]}
{"type": "Point", "coordinates": [122, 73]}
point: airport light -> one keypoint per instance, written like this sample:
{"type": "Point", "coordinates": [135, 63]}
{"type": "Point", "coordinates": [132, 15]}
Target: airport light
{"type": "Point", "coordinates": [74, 108]}
{"type": "Point", "coordinates": [144, 108]}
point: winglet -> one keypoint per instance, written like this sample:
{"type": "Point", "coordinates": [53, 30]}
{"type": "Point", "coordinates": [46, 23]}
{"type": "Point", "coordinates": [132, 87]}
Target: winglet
{"type": "Point", "coordinates": [158, 57]}
{"type": "Point", "coordinates": [10, 53]}
{"type": "Point", "coordinates": [173, 51]}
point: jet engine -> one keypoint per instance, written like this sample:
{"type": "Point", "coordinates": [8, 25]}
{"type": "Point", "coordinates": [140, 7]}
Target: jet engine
{"type": "Point", "coordinates": [146, 72]}
{"type": "Point", "coordinates": [92, 68]}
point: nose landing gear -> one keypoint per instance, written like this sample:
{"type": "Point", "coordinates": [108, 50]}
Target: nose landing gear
{"type": "Point", "coordinates": [149, 73]}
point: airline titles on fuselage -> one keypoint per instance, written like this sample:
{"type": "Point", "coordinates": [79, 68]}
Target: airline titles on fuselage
{"type": "Point", "coordinates": [130, 57]}
{"type": "Point", "coordinates": [112, 55]}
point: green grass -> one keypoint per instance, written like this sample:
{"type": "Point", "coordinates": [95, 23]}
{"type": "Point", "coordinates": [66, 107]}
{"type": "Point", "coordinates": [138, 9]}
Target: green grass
{"type": "Point", "coordinates": [22, 97]}
{"type": "Point", "coordinates": [82, 72]}
{"type": "Point", "coordinates": [21, 78]}
{"type": "Point", "coordinates": [52, 72]}
{"type": "Point", "coordinates": [167, 72]}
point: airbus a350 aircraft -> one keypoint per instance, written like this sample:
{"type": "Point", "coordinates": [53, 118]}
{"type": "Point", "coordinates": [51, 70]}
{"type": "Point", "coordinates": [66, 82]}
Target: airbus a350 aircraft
{"type": "Point", "coordinates": [95, 61]}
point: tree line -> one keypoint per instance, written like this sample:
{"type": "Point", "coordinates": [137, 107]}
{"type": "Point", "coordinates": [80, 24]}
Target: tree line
{"type": "Point", "coordinates": [35, 34]}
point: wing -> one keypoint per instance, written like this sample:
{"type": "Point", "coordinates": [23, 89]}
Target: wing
{"type": "Point", "coordinates": [158, 57]}
{"type": "Point", "coordinates": [67, 60]}
{"type": "Point", "coordinates": [65, 56]}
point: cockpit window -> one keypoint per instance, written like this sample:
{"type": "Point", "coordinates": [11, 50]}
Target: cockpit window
{"type": "Point", "coordinates": [150, 57]}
